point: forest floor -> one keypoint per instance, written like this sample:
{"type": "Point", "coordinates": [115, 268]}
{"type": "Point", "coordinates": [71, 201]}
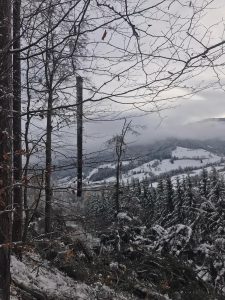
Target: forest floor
{"type": "Point", "coordinates": [68, 267]}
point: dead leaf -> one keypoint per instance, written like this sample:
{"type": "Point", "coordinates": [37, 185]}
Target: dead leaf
{"type": "Point", "coordinates": [104, 35]}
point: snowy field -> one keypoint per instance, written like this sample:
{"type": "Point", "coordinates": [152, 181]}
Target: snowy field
{"type": "Point", "coordinates": [181, 158]}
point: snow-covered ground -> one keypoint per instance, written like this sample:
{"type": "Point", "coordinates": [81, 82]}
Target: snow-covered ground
{"type": "Point", "coordinates": [181, 152]}
{"type": "Point", "coordinates": [37, 275]}
{"type": "Point", "coordinates": [181, 158]}
{"type": "Point", "coordinates": [105, 166]}
{"type": "Point", "coordinates": [192, 173]}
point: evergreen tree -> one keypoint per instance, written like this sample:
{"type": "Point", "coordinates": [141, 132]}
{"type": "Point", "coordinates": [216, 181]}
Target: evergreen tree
{"type": "Point", "coordinates": [169, 195]}
{"type": "Point", "coordinates": [148, 205]}
{"type": "Point", "coordinates": [204, 188]}
{"type": "Point", "coordinates": [160, 205]}
{"type": "Point", "coordinates": [139, 187]}
{"type": "Point", "coordinates": [169, 213]}
{"type": "Point", "coordinates": [214, 186]}
{"type": "Point", "coordinates": [178, 201]}
{"type": "Point", "coordinates": [189, 201]}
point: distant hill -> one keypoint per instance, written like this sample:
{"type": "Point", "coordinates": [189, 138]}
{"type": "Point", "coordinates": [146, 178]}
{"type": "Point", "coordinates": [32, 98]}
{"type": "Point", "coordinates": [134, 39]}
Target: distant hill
{"type": "Point", "coordinates": [180, 160]}
{"type": "Point", "coordinates": [149, 161]}
{"type": "Point", "coordinates": [212, 120]}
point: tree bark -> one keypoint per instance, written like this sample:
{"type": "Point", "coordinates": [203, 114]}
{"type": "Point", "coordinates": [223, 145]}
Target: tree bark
{"type": "Point", "coordinates": [49, 75]}
{"type": "Point", "coordinates": [27, 160]}
{"type": "Point", "coordinates": [17, 157]}
{"type": "Point", "coordinates": [5, 147]}
{"type": "Point", "coordinates": [79, 136]}
{"type": "Point", "coordinates": [48, 167]}
{"type": "Point", "coordinates": [117, 200]}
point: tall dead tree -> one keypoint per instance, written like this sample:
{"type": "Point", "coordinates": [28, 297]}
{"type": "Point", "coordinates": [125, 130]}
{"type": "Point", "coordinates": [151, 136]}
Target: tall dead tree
{"type": "Point", "coordinates": [119, 144]}
{"type": "Point", "coordinates": [79, 135]}
{"type": "Point", "coordinates": [48, 166]}
{"type": "Point", "coordinates": [48, 143]}
{"type": "Point", "coordinates": [17, 157]}
{"type": "Point", "coordinates": [5, 147]}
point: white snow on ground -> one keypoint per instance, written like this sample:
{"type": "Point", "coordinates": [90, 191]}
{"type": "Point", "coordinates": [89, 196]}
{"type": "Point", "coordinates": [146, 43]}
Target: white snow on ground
{"type": "Point", "coordinates": [198, 158]}
{"type": "Point", "coordinates": [194, 173]}
{"type": "Point", "coordinates": [39, 276]}
{"type": "Point", "coordinates": [123, 216]}
{"type": "Point", "coordinates": [166, 166]}
{"type": "Point", "coordinates": [192, 158]}
{"type": "Point", "coordinates": [181, 152]}
{"type": "Point", "coordinates": [64, 180]}
{"type": "Point", "coordinates": [104, 166]}
{"type": "Point", "coordinates": [184, 157]}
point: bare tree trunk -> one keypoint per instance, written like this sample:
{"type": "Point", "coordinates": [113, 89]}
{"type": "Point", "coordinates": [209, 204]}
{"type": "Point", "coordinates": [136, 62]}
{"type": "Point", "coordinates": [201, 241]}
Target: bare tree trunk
{"type": "Point", "coordinates": [48, 167]}
{"type": "Point", "coordinates": [48, 146]}
{"type": "Point", "coordinates": [27, 160]}
{"type": "Point", "coordinates": [17, 157]}
{"type": "Point", "coordinates": [117, 200]}
{"type": "Point", "coordinates": [120, 146]}
{"type": "Point", "coordinates": [5, 147]}
{"type": "Point", "coordinates": [79, 135]}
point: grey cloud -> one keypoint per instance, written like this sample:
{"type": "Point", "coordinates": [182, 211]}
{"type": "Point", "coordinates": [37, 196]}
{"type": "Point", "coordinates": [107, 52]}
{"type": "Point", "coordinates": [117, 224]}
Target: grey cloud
{"type": "Point", "coordinates": [180, 121]}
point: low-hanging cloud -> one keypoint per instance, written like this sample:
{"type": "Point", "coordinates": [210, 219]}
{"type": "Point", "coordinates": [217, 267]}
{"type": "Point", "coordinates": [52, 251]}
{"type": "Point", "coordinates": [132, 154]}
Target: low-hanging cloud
{"type": "Point", "coordinates": [190, 119]}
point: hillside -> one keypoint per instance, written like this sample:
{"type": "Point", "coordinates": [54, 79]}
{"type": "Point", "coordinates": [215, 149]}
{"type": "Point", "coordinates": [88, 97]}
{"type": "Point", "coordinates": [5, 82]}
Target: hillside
{"type": "Point", "coordinates": [181, 160]}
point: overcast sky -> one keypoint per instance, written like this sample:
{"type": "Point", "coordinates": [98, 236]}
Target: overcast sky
{"type": "Point", "coordinates": [178, 121]}
{"type": "Point", "coordinates": [179, 115]}
{"type": "Point", "coordinates": [176, 117]}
